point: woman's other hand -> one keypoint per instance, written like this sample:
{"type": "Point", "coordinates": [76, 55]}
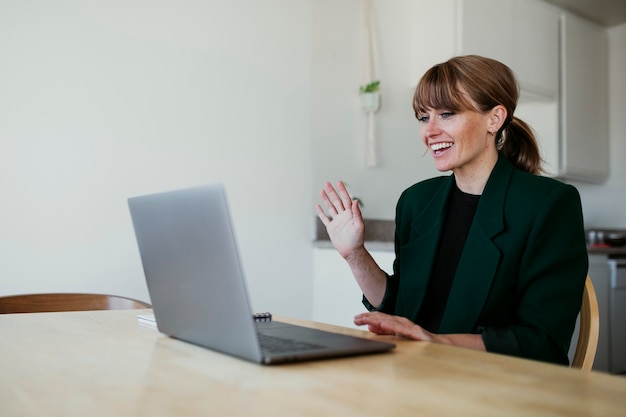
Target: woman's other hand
{"type": "Point", "coordinates": [342, 218]}
{"type": "Point", "coordinates": [386, 324]}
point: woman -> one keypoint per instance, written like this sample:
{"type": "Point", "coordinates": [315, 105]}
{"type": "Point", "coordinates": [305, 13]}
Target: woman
{"type": "Point", "coordinates": [492, 257]}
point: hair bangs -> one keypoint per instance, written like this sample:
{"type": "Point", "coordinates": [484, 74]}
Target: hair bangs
{"type": "Point", "coordinates": [439, 89]}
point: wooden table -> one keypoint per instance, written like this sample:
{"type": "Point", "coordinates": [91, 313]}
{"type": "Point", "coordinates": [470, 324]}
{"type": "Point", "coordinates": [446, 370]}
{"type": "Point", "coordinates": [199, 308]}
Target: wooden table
{"type": "Point", "coordinates": [105, 363]}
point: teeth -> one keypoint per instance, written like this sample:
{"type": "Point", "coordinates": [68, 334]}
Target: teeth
{"type": "Point", "coordinates": [439, 146]}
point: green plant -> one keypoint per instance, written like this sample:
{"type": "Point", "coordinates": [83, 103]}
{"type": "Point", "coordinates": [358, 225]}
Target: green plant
{"type": "Point", "coordinates": [370, 88]}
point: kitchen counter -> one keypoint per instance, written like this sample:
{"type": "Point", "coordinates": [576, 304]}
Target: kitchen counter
{"type": "Point", "coordinates": [379, 235]}
{"type": "Point", "coordinates": [611, 252]}
{"type": "Point", "coordinates": [604, 249]}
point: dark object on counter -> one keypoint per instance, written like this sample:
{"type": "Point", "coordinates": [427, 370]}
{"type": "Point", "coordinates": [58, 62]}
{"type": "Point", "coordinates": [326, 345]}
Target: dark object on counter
{"type": "Point", "coordinates": [615, 239]}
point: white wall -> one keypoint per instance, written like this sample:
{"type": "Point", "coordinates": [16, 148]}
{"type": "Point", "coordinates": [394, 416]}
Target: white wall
{"type": "Point", "coordinates": [104, 100]}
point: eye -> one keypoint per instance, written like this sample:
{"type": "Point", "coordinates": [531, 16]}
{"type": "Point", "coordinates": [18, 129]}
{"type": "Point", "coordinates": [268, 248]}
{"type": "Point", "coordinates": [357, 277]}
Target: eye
{"type": "Point", "coordinates": [446, 114]}
{"type": "Point", "coordinates": [422, 118]}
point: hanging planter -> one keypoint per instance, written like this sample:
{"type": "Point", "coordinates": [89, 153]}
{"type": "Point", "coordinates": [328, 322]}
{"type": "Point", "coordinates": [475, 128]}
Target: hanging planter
{"type": "Point", "coordinates": [370, 94]}
{"type": "Point", "coordinates": [370, 103]}
{"type": "Point", "coordinates": [370, 97]}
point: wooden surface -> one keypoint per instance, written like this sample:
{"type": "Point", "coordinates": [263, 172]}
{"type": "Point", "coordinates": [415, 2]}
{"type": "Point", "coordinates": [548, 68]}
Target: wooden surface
{"type": "Point", "coordinates": [105, 363]}
{"type": "Point", "coordinates": [589, 330]}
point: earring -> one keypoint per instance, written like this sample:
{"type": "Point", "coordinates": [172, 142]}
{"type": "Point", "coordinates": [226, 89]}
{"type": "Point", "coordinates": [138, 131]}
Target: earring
{"type": "Point", "coordinates": [500, 143]}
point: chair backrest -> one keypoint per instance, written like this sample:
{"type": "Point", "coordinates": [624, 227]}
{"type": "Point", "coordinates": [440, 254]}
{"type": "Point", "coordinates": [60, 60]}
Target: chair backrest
{"type": "Point", "coordinates": [589, 329]}
{"type": "Point", "coordinates": [53, 302]}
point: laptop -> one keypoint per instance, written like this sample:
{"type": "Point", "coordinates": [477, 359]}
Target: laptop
{"type": "Point", "coordinates": [197, 286]}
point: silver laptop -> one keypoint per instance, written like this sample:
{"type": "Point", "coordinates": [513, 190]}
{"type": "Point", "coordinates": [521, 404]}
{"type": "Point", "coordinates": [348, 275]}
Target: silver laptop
{"type": "Point", "coordinates": [197, 286]}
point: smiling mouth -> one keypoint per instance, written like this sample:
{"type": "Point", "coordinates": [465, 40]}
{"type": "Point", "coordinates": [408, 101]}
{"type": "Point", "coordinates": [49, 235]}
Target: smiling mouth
{"type": "Point", "coordinates": [438, 148]}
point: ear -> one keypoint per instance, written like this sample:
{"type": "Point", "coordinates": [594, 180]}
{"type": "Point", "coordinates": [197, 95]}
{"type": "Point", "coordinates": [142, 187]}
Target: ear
{"type": "Point", "coordinates": [497, 116]}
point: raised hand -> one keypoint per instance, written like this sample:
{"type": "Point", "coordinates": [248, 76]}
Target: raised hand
{"type": "Point", "coordinates": [342, 218]}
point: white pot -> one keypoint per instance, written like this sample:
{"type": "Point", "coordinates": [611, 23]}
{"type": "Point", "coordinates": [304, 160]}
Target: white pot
{"type": "Point", "coordinates": [370, 102]}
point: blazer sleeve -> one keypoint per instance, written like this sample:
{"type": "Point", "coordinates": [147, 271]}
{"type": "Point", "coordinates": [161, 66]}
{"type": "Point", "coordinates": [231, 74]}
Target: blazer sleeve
{"type": "Point", "coordinates": [552, 272]}
{"type": "Point", "coordinates": [388, 303]}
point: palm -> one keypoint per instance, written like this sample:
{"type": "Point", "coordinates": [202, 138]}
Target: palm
{"type": "Point", "coordinates": [343, 222]}
{"type": "Point", "coordinates": [346, 232]}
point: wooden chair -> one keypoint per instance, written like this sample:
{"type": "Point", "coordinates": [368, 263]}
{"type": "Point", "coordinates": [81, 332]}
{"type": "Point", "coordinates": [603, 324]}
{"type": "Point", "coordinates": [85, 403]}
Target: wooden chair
{"type": "Point", "coordinates": [53, 302]}
{"type": "Point", "coordinates": [589, 329]}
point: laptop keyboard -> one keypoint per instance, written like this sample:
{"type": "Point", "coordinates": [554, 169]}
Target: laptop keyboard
{"type": "Point", "coordinates": [273, 344]}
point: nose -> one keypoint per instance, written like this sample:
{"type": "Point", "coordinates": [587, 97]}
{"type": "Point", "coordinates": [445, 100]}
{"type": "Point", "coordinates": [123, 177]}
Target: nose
{"type": "Point", "coordinates": [430, 128]}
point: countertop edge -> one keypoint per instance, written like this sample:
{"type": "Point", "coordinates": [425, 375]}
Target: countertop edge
{"type": "Point", "coordinates": [376, 246]}
{"type": "Point", "coordinates": [380, 234]}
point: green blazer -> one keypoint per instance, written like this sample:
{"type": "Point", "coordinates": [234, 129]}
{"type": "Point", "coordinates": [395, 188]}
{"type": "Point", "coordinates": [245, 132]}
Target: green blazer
{"type": "Point", "coordinates": [522, 271]}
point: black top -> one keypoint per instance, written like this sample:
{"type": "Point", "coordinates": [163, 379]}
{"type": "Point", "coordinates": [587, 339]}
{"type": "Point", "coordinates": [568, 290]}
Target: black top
{"type": "Point", "coordinates": [459, 216]}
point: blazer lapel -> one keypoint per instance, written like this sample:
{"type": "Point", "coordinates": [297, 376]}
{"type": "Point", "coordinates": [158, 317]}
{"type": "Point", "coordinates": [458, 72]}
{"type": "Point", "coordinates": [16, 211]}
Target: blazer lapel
{"type": "Point", "coordinates": [425, 234]}
{"type": "Point", "coordinates": [479, 260]}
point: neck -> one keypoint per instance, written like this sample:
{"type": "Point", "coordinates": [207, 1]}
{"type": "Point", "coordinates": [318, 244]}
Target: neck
{"type": "Point", "coordinates": [472, 180]}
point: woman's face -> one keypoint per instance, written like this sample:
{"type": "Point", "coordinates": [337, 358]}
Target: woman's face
{"type": "Point", "coordinates": [460, 141]}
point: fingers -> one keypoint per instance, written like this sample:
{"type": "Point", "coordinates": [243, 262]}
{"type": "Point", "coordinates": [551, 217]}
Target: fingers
{"type": "Point", "coordinates": [329, 201]}
{"type": "Point", "coordinates": [333, 197]}
{"type": "Point", "coordinates": [344, 195]}
{"type": "Point", "coordinates": [373, 322]}
{"type": "Point", "coordinates": [322, 215]}
{"type": "Point", "coordinates": [381, 323]}
{"type": "Point", "coordinates": [356, 210]}
{"type": "Point", "coordinates": [334, 200]}
{"type": "Point", "coordinates": [379, 331]}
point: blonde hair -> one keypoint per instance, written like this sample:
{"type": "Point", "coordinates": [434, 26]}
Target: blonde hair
{"type": "Point", "coordinates": [488, 83]}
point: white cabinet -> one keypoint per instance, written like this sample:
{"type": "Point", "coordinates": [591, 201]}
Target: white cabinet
{"type": "Point", "coordinates": [522, 34]}
{"type": "Point", "coordinates": [336, 295]}
{"type": "Point", "coordinates": [485, 28]}
{"type": "Point", "coordinates": [535, 49]}
{"type": "Point", "coordinates": [572, 131]}
{"type": "Point", "coordinates": [584, 100]}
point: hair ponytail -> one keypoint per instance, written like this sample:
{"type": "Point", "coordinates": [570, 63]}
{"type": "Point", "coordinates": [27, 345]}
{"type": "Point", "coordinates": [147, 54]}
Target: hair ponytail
{"type": "Point", "coordinates": [518, 143]}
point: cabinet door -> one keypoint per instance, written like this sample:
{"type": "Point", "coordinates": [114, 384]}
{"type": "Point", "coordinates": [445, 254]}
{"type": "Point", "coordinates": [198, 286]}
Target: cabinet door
{"type": "Point", "coordinates": [336, 295]}
{"type": "Point", "coordinates": [584, 100]}
{"type": "Point", "coordinates": [543, 117]}
{"type": "Point", "coordinates": [522, 34]}
{"type": "Point", "coordinates": [536, 48]}
{"type": "Point", "coordinates": [486, 29]}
